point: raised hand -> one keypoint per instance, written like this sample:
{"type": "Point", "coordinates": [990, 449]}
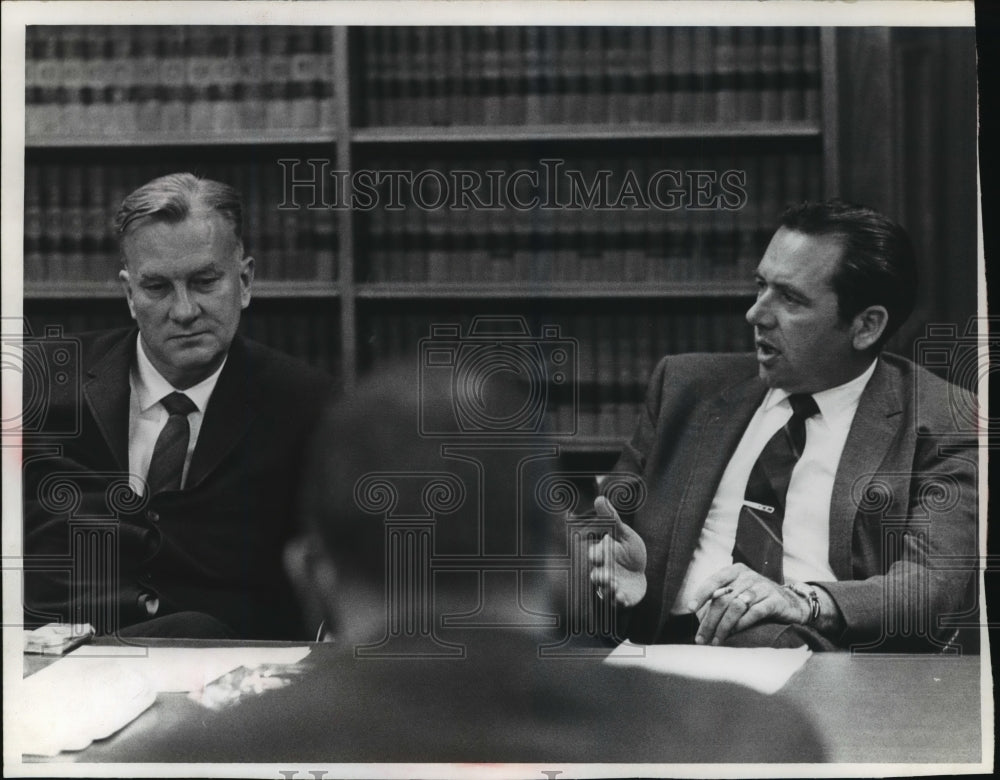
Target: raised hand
{"type": "Point", "coordinates": [618, 560]}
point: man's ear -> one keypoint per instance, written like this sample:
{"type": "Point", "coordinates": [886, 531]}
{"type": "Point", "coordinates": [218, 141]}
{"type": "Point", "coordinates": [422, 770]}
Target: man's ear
{"type": "Point", "coordinates": [246, 281]}
{"type": "Point", "coordinates": [868, 326]}
{"type": "Point", "coordinates": [124, 281]}
{"type": "Point", "coordinates": [314, 579]}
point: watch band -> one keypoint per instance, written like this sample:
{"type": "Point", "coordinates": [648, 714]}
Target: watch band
{"type": "Point", "coordinates": [808, 592]}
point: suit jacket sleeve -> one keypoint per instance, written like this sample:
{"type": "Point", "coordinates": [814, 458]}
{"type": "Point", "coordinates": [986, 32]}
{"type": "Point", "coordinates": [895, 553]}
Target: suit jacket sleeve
{"type": "Point", "coordinates": [915, 535]}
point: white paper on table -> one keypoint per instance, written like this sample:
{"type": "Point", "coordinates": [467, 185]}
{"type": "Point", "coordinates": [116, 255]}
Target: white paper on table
{"type": "Point", "coordinates": [764, 669]}
{"type": "Point", "coordinates": [185, 669]}
{"type": "Point", "coordinates": [64, 707]}
{"type": "Point", "coordinates": [95, 691]}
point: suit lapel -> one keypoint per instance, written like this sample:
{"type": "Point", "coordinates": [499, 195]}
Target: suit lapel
{"type": "Point", "coordinates": [107, 393]}
{"type": "Point", "coordinates": [868, 441]}
{"type": "Point", "coordinates": [721, 425]}
{"type": "Point", "coordinates": [230, 411]}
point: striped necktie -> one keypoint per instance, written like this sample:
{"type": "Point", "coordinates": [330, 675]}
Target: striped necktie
{"type": "Point", "coordinates": [758, 535]}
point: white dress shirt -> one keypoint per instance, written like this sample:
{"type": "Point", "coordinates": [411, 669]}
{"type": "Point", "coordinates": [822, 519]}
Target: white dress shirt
{"type": "Point", "coordinates": [147, 416]}
{"type": "Point", "coordinates": [806, 527]}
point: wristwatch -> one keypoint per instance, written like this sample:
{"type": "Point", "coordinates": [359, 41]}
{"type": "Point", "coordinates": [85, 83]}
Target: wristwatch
{"type": "Point", "coordinates": [808, 592]}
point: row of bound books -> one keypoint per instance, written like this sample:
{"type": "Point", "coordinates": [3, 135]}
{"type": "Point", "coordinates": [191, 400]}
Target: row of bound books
{"type": "Point", "coordinates": [309, 330]}
{"type": "Point", "coordinates": [696, 229]}
{"type": "Point", "coordinates": [69, 207]}
{"type": "Point", "coordinates": [69, 211]}
{"type": "Point", "coordinates": [550, 75]}
{"type": "Point", "coordinates": [612, 350]}
{"type": "Point", "coordinates": [93, 80]}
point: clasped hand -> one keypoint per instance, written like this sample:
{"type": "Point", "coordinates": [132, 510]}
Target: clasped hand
{"type": "Point", "coordinates": [618, 560]}
{"type": "Point", "coordinates": [737, 597]}
{"type": "Point", "coordinates": [731, 600]}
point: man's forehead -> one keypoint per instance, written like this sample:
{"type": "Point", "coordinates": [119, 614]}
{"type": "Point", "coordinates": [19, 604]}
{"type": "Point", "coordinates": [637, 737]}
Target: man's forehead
{"type": "Point", "coordinates": [195, 234]}
{"type": "Point", "coordinates": [801, 258]}
{"type": "Point", "coordinates": [187, 270]}
{"type": "Point", "coordinates": [202, 224]}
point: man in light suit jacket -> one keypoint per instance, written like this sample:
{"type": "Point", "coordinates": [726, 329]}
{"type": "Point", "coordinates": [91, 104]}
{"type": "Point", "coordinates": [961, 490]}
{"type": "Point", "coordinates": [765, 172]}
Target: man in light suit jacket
{"type": "Point", "coordinates": [161, 516]}
{"type": "Point", "coordinates": [879, 523]}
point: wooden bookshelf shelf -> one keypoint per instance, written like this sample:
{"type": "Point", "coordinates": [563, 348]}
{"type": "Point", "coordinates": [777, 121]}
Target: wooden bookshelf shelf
{"type": "Point", "coordinates": [295, 289]}
{"type": "Point", "coordinates": [72, 290]}
{"type": "Point", "coordinates": [625, 132]}
{"type": "Point", "coordinates": [172, 140]}
{"type": "Point", "coordinates": [112, 291]}
{"type": "Point", "coordinates": [579, 443]}
{"type": "Point", "coordinates": [529, 290]}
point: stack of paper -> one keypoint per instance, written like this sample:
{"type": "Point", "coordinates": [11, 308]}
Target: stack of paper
{"type": "Point", "coordinates": [64, 708]}
{"type": "Point", "coordinates": [764, 669]}
{"type": "Point", "coordinates": [95, 691]}
{"type": "Point", "coordinates": [185, 669]}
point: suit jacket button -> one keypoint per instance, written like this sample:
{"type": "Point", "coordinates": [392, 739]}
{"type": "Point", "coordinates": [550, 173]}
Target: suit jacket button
{"type": "Point", "coordinates": [153, 517]}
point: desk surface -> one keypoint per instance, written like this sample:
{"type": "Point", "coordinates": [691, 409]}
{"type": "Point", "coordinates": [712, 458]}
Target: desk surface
{"type": "Point", "coordinates": [875, 709]}
{"type": "Point", "coordinates": [867, 708]}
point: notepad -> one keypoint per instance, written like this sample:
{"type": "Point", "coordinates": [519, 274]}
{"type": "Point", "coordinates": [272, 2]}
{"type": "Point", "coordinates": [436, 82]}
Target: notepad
{"type": "Point", "coordinates": [764, 669]}
{"type": "Point", "coordinates": [59, 708]}
{"type": "Point", "coordinates": [96, 690]}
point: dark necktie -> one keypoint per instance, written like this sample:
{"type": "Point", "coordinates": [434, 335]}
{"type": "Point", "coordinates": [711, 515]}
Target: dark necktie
{"type": "Point", "coordinates": [758, 535]}
{"type": "Point", "coordinates": [167, 465]}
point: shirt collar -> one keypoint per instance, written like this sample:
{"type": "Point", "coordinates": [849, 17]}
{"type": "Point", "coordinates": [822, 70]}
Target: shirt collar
{"type": "Point", "coordinates": [834, 400]}
{"type": "Point", "coordinates": [151, 386]}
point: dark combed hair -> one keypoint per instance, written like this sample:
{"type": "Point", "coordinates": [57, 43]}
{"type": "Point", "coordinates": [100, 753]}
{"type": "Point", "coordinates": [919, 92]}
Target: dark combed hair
{"type": "Point", "coordinates": [172, 198]}
{"type": "Point", "coordinates": [878, 266]}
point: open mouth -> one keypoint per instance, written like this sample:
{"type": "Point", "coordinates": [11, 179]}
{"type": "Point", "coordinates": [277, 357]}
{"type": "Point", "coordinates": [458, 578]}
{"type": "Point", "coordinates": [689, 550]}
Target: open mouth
{"type": "Point", "coordinates": [765, 351]}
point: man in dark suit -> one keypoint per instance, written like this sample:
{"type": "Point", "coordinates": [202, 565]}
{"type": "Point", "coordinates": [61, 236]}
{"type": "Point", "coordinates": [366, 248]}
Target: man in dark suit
{"type": "Point", "coordinates": [855, 535]}
{"type": "Point", "coordinates": [165, 512]}
{"type": "Point", "coordinates": [499, 700]}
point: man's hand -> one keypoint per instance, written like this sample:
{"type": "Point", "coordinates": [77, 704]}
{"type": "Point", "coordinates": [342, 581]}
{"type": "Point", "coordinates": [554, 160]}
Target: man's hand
{"type": "Point", "coordinates": [618, 561]}
{"type": "Point", "coordinates": [742, 598]}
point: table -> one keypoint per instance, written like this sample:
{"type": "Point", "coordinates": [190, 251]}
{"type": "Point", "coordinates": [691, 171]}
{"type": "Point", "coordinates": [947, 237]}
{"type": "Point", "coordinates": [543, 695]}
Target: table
{"type": "Point", "coordinates": [868, 708]}
{"type": "Point", "coordinates": [872, 708]}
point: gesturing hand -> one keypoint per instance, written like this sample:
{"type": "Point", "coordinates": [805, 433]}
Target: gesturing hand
{"type": "Point", "coordinates": [618, 560]}
{"type": "Point", "coordinates": [742, 598]}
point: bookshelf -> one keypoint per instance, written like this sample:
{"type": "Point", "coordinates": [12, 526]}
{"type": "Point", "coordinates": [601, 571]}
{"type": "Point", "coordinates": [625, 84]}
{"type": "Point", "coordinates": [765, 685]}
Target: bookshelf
{"type": "Point", "coordinates": [643, 131]}
{"type": "Point", "coordinates": [347, 288]}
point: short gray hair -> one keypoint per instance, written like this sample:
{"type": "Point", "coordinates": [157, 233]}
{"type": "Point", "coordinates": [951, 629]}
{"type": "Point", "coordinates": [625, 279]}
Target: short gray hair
{"type": "Point", "coordinates": [172, 198]}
